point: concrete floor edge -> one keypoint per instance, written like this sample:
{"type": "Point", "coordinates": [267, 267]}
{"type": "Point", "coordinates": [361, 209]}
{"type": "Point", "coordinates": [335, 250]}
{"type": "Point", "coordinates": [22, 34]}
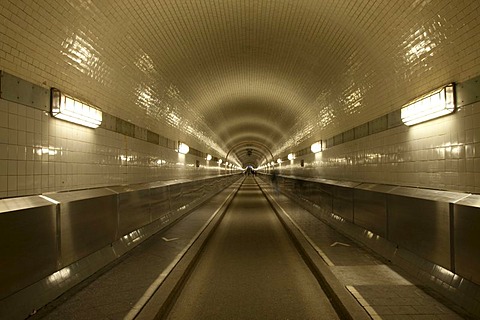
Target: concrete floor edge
{"type": "Point", "coordinates": [461, 299]}
{"type": "Point", "coordinates": [345, 305]}
{"type": "Point", "coordinates": [28, 301]}
{"type": "Point", "coordinates": [160, 302]}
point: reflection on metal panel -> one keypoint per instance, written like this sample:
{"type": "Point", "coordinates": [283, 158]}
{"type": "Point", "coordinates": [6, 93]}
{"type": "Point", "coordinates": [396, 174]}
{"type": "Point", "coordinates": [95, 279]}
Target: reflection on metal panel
{"type": "Point", "coordinates": [427, 194]}
{"type": "Point", "coordinates": [159, 202]}
{"type": "Point", "coordinates": [319, 194]}
{"type": "Point", "coordinates": [421, 226]}
{"type": "Point", "coordinates": [370, 211]}
{"type": "Point", "coordinates": [133, 208]}
{"type": "Point", "coordinates": [343, 203]}
{"type": "Point", "coordinates": [28, 250]}
{"type": "Point", "coordinates": [467, 238]}
{"type": "Point", "coordinates": [176, 193]}
{"type": "Point", "coordinates": [421, 221]}
{"type": "Point", "coordinates": [43, 234]}
{"type": "Point", "coordinates": [88, 222]}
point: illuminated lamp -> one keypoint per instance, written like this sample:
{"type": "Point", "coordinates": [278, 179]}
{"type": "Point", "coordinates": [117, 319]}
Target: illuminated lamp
{"type": "Point", "coordinates": [279, 161]}
{"type": "Point", "coordinates": [69, 109]}
{"type": "Point", "coordinates": [316, 147]}
{"type": "Point", "coordinates": [209, 157]}
{"type": "Point", "coordinates": [220, 161]}
{"type": "Point", "coordinates": [291, 156]}
{"type": "Point", "coordinates": [439, 103]}
{"type": "Point", "coordinates": [183, 148]}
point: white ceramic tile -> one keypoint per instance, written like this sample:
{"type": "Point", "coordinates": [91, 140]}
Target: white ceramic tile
{"type": "Point", "coordinates": [21, 184]}
{"type": "Point", "coordinates": [12, 109]}
{"type": "Point", "coordinates": [12, 183]}
{"type": "Point", "coordinates": [308, 86]}
{"type": "Point", "coordinates": [3, 183]}
{"type": "Point", "coordinates": [3, 118]}
{"type": "Point", "coordinates": [12, 137]}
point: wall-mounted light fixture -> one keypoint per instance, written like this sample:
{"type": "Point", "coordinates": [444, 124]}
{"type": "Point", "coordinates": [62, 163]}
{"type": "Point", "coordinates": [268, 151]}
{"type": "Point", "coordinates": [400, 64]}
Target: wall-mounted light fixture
{"type": "Point", "coordinates": [220, 161]}
{"type": "Point", "coordinates": [70, 109]}
{"type": "Point", "coordinates": [316, 147]}
{"type": "Point", "coordinates": [209, 157]}
{"type": "Point", "coordinates": [439, 103]}
{"type": "Point", "coordinates": [279, 161]}
{"type": "Point", "coordinates": [291, 156]}
{"type": "Point", "coordinates": [183, 148]}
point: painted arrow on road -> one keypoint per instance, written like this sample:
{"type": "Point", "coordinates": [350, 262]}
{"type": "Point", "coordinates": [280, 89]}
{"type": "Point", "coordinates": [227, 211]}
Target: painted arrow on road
{"type": "Point", "coordinates": [339, 244]}
{"type": "Point", "coordinates": [168, 240]}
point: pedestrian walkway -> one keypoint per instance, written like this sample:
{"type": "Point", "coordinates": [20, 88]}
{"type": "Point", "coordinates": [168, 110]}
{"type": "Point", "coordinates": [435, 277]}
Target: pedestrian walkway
{"type": "Point", "coordinates": [384, 290]}
{"type": "Point", "coordinates": [121, 289]}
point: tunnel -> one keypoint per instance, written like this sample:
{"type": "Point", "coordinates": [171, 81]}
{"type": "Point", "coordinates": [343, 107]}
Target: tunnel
{"type": "Point", "coordinates": [143, 131]}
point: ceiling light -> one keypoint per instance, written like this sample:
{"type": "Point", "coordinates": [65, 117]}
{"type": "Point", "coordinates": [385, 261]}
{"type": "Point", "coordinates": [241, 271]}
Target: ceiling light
{"type": "Point", "coordinates": [432, 106]}
{"type": "Point", "coordinates": [316, 147]}
{"type": "Point", "coordinates": [69, 109]}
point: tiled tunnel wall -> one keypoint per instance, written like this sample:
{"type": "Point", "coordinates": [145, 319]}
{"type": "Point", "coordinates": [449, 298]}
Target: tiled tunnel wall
{"type": "Point", "coordinates": [441, 154]}
{"type": "Point", "coordinates": [41, 154]}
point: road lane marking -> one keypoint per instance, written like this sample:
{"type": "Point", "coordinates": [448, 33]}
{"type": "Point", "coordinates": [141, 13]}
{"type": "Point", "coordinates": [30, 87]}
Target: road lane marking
{"type": "Point", "coordinates": [161, 277]}
{"type": "Point", "coordinates": [319, 251]}
{"type": "Point", "coordinates": [339, 244]}
{"type": "Point", "coordinates": [168, 240]}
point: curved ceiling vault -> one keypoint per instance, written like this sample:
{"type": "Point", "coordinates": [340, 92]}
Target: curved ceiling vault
{"type": "Point", "coordinates": [251, 152]}
{"type": "Point", "coordinates": [278, 72]}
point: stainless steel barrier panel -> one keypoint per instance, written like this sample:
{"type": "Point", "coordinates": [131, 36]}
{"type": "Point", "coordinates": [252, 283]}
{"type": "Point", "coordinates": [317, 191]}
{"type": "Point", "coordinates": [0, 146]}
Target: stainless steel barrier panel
{"type": "Point", "coordinates": [176, 196]}
{"type": "Point", "coordinates": [88, 222]}
{"type": "Point", "coordinates": [319, 193]}
{"type": "Point", "coordinates": [133, 207]}
{"type": "Point", "coordinates": [370, 207]}
{"type": "Point", "coordinates": [159, 202]}
{"type": "Point", "coordinates": [28, 245]}
{"type": "Point", "coordinates": [343, 202]}
{"type": "Point", "coordinates": [335, 197]}
{"type": "Point", "coordinates": [193, 191]}
{"type": "Point", "coordinates": [467, 237]}
{"type": "Point", "coordinates": [419, 220]}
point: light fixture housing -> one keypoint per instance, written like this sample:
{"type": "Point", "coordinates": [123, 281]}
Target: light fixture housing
{"type": "Point", "coordinates": [183, 148]}
{"type": "Point", "coordinates": [209, 157]}
{"type": "Point", "coordinates": [434, 105]}
{"type": "Point", "coordinates": [291, 156]}
{"type": "Point", "coordinates": [316, 147]}
{"type": "Point", "coordinates": [70, 109]}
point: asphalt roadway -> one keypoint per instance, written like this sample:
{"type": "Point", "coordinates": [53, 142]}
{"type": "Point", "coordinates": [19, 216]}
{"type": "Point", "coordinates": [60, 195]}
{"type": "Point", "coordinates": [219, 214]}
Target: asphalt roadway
{"type": "Point", "coordinates": [250, 269]}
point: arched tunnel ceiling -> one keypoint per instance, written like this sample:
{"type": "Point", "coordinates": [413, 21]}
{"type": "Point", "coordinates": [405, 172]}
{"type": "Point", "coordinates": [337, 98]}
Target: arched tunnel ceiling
{"type": "Point", "coordinates": [216, 73]}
